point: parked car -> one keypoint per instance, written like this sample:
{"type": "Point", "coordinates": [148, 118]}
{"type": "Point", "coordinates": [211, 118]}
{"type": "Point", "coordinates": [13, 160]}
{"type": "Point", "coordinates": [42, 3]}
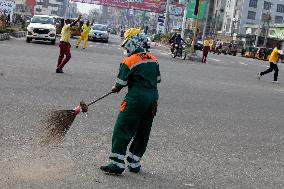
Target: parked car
{"type": "Point", "coordinates": [229, 48]}
{"type": "Point", "coordinates": [41, 27]}
{"type": "Point", "coordinates": [260, 53]}
{"type": "Point", "coordinates": [99, 32]}
{"type": "Point", "coordinates": [250, 52]}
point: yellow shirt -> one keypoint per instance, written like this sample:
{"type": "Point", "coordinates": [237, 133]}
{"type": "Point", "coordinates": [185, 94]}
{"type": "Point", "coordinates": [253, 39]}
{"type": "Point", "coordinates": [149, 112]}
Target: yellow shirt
{"type": "Point", "coordinates": [206, 43]}
{"type": "Point", "coordinates": [66, 33]}
{"type": "Point", "coordinates": [274, 55]}
{"type": "Point", "coordinates": [86, 30]}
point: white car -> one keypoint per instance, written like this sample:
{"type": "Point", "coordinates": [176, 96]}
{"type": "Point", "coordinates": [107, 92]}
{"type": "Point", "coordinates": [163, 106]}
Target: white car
{"type": "Point", "coordinates": [42, 27]}
{"type": "Point", "coordinates": [99, 32]}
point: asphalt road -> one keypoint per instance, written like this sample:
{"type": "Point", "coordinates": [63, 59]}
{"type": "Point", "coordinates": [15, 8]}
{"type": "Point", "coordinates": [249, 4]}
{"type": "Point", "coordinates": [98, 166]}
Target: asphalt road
{"type": "Point", "coordinates": [217, 126]}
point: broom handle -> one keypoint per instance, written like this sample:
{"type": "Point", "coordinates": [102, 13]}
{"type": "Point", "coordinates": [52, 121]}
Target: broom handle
{"type": "Point", "coordinates": [93, 102]}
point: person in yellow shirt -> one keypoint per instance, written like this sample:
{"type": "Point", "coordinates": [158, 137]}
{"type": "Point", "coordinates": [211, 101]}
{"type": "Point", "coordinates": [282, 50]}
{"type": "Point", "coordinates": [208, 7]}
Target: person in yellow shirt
{"type": "Point", "coordinates": [273, 60]}
{"type": "Point", "coordinates": [206, 48]}
{"type": "Point", "coordinates": [86, 28]}
{"type": "Point", "coordinates": [64, 44]}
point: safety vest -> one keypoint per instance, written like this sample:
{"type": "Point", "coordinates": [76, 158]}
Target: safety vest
{"type": "Point", "coordinates": [139, 70]}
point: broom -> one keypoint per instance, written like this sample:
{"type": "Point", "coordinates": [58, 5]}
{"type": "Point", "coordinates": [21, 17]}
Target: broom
{"type": "Point", "coordinates": [57, 123]}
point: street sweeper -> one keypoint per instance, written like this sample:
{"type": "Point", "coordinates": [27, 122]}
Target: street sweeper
{"type": "Point", "coordinates": [139, 71]}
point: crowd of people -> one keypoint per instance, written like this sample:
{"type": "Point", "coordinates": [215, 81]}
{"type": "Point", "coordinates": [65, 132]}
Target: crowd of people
{"type": "Point", "coordinates": [216, 46]}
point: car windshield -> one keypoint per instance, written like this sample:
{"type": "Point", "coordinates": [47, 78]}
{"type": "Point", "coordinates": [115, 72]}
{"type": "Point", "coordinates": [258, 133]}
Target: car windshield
{"type": "Point", "coordinates": [42, 20]}
{"type": "Point", "coordinates": [100, 27]}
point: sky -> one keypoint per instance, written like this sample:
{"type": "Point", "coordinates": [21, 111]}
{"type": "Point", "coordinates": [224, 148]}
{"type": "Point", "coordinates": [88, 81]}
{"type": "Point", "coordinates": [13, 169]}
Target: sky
{"type": "Point", "coordinates": [85, 8]}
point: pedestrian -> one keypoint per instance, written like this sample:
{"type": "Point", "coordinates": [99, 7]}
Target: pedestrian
{"type": "Point", "coordinates": [64, 44]}
{"type": "Point", "coordinates": [243, 52]}
{"type": "Point", "coordinates": [273, 60]}
{"type": "Point", "coordinates": [84, 34]}
{"type": "Point", "coordinates": [206, 48]}
{"type": "Point", "coordinates": [140, 72]}
{"type": "Point", "coordinates": [218, 47]}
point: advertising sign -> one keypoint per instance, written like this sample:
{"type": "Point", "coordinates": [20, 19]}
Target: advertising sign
{"type": "Point", "coordinates": [190, 10]}
{"type": "Point", "coordinates": [7, 7]}
{"type": "Point", "coordinates": [157, 6]}
{"type": "Point", "coordinates": [161, 24]}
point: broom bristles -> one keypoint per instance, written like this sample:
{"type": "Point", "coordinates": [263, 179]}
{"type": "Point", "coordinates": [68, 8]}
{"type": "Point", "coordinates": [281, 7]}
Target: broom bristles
{"type": "Point", "coordinates": [56, 125]}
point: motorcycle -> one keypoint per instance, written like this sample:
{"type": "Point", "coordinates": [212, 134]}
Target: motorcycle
{"type": "Point", "coordinates": [179, 51]}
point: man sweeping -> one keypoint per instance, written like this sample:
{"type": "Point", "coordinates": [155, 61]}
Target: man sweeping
{"type": "Point", "coordinates": [84, 34]}
{"type": "Point", "coordinates": [140, 72]}
{"type": "Point", "coordinates": [64, 44]}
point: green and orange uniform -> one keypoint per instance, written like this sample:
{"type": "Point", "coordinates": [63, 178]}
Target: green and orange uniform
{"type": "Point", "coordinates": [140, 72]}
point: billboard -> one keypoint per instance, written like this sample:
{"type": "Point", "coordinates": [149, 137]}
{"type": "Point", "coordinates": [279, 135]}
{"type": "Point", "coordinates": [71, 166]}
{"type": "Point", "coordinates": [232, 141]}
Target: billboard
{"type": "Point", "coordinates": [191, 7]}
{"type": "Point", "coordinates": [157, 6]}
{"type": "Point", "coordinates": [161, 24]}
{"type": "Point", "coordinates": [7, 8]}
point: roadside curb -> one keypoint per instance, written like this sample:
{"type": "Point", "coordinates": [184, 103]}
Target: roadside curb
{"type": "Point", "coordinates": [19, 34]}
{"type": "Point", "coordinates": [4, 36]}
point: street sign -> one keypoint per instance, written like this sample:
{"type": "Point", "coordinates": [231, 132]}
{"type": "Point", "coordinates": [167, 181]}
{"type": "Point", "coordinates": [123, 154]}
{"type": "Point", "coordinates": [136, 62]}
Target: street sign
{"type": "Point", "coordinates": [191, 7]}
{"type": "Point", "coordinates": [161, 24]}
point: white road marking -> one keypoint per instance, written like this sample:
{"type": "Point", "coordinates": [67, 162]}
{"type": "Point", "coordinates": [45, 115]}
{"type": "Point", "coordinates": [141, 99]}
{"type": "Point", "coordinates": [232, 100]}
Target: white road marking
{"type": "Point", "coordinates": [243, 63]}
{"type": "Point", "coordinates": [163, 53]}
{"type": "Point", "coordinates": [217, 60]}
{"type": "Point", "coordinates": [91, 45]}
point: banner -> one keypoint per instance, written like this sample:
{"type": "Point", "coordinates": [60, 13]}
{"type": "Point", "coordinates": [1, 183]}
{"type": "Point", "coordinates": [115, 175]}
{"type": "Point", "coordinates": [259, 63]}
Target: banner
{"type": "Point", "coordinates": [7, 8]}
{"type": "Point", "coordinates": [161, 24]}
{"type": "Point", "coordinates": [190, 10]}
{"type": "Point", "coordinates": [157, 6]}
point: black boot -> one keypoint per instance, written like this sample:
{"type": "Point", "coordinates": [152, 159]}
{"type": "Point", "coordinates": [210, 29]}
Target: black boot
{"type": "Point", "coordinates": [58, 70]}
{"type": "Point", "coordinates": [112, 169]}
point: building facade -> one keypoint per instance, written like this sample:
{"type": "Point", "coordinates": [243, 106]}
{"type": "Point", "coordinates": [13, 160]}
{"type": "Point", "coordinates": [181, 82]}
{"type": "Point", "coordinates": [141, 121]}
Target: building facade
{"type": "Point", "coordinates": [51, 7]}
{"type": "Point", "coordinates": [238, 13]}
{"type": "Point", "coordinates": [217, 16]}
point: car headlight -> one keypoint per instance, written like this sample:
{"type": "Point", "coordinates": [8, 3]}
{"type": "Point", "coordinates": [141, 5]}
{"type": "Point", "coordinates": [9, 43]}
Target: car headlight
{"type": "Point", "coordinates": [30, 28]}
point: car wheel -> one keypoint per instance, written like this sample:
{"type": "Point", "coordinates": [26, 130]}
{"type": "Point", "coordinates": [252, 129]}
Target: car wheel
{"type": "Point", "coordinates": [28, 40]}
{"type": "Point", "coordinates": [106, 41]}
{"type": "Point", "coordinates": [53, 42]}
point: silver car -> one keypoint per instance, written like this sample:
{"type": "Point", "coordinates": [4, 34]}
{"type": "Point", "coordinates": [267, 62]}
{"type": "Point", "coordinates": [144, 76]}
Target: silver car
{"type": "Point", "coordinates": [99, 32]}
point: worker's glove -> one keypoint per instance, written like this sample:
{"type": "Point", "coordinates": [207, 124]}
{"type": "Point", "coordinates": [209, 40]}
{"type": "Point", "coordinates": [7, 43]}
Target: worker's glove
{"type": "Point", "coordinates": [115, 89]}
{"type": "Point", "coordinates": [83, 106]}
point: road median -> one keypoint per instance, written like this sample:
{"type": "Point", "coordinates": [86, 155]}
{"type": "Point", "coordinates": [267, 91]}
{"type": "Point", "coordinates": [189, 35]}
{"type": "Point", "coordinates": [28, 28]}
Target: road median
{"type": "Point", "coordinates": [7, 36]}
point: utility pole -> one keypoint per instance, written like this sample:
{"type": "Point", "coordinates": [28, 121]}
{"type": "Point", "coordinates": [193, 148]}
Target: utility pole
{"type": "Point", "coordinates": [258, 30]}
{"type": "Point", "coordinates": [268, 25]}
{"type": "Point", "coordinates": [167, 16]}
{"type": "Point", "coordinates": [184, 20]}
{"type": "Point", "coordinates": [196, 25]}
{"type": "Point", "coordinates": [206, 21]}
